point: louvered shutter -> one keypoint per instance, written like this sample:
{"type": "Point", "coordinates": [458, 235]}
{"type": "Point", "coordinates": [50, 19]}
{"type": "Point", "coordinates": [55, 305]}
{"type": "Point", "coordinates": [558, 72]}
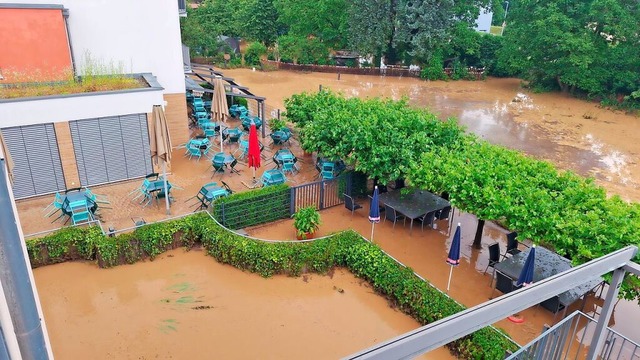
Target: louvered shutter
{"type": "Point", "coordinates": [111, 149]}
{"type": "Point", "coordinates": [34, 150]}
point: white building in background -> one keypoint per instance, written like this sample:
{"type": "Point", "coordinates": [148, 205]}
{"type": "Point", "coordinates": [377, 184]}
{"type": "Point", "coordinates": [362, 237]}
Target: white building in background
{"type": "Point", "coordinates": [65, 141]}
{"type": "Point", "coordinates": [483, 22]}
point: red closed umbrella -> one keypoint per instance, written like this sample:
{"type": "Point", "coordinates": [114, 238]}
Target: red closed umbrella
{"type": "Point", "coordinates": [254, 149]}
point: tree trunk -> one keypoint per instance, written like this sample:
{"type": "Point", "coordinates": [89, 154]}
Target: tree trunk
{"type": "Point", "coordinates": [477, 241]}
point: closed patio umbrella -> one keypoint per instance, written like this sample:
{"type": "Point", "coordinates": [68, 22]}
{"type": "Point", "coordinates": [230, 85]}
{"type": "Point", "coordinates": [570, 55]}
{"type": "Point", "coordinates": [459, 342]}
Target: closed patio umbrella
{"type": "Point", "coordinates": [161, 145]}
{"type": "Point", "coordinates": [219, 107]}
{"type": "Point", "coordinates": [4, 153]}
{"type": "Point", "coordinates": [526, 274]}
{"type": "Point", "coordinates": [253, 152]}
{"type": "Point", "coordinates": [374, 210]}
{"type": "Point", "coordinates": [454, 253]}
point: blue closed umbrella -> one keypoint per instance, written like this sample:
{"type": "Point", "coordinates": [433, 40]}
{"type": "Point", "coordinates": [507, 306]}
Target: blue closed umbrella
{"type": "Point", "coordinates": [374, 210]}
{"type": "Point", "coordinates": [453, 258]}
{"type": "Point", "coordinates": [526, 274]}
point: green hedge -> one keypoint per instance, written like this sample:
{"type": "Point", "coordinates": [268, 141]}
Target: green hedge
{"type": "Point", "coordinates": [255, 207]}
{"type": "Point", "coordinates": [346, 249]}
{"type": "Point", "coordinates": [557, 209]}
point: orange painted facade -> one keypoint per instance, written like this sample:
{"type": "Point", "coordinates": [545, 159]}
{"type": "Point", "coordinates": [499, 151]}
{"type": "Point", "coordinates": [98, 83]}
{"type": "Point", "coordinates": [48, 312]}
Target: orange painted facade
{"type": "Point", "coordinates": [33, 45]}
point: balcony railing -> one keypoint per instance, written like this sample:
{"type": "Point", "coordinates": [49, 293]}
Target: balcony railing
{"type": "Point", "coordinates": [570, 339]}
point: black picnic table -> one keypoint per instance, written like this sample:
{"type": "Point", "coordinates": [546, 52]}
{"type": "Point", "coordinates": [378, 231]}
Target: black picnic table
{"type": "Point", "coordinates": [547, 264]}
{"type": "Point", "coordinates": [413, 204]}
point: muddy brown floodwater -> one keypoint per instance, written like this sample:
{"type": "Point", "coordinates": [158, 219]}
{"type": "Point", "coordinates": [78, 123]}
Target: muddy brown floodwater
{"type": "Point", "coordinates": [185, 305]}
{"type": "Point", "coordinates": [573, 134]}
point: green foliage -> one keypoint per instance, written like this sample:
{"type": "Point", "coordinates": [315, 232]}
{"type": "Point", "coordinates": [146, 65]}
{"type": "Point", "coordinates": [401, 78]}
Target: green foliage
{"type": "Point", "coordinates": [240, 101]}
{"type": "Point", "coordinates": [377, 137]}
{"type": "Point", "coordinates": [424, 24]}
{"type": "Point", "coordinates": [388, 140]}
{"type": "Point", "coordinates": [588, 47]}
{"type": "Point", "coordinates": [277, 124]}
{"type": "Point", "coordinates": [255, 207]}
{"type": "Point", "coordinates": [259, 20]}
{"type": "Point", "coordinates": [306, 221]}
{"type": "Point", "coordinates": [70, 243]}
{"type": "Point", "coordinates": [254, 52]}
{"type": "Point", "coordinates": [302, 50]}
{"type": "Point", "coordinates": [322, 19]}
{"type": "Point", "coordinates": [202, 26]}
{"type": "Point", "coordinates": [434, 69]}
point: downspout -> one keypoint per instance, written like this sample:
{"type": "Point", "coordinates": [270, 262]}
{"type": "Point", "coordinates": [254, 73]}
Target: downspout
{"type": "Point", "coordinates": [65, 15]}
{"type": "Point", "coordinates": [8, 341]}
{"type": "Point", "coordinates": [17, 280]}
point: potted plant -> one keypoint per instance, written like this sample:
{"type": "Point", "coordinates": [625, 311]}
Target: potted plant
{"type": "Point", "coordinates": [276, 124]}
{"type": "Point", "coordinates": [306, 221]}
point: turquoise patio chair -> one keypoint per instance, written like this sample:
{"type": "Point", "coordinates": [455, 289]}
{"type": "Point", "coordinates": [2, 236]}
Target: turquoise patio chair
{"type": "Point", "coordinates": [55, 206]}
{"type": "Point", "coordinates": [288, 166]}
{"type": "Point", "coordinates": [193, 150]}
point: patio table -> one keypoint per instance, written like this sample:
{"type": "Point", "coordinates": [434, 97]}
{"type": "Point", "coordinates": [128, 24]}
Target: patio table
{"type": "Point", "coordinates": [547, 264]}
{"type": "Point", "coordinates": [213, 191]}
{"type": "Point", "coordinates": [414, 204]}
{"type": "Point", "coordinates": [283, 154]}
{"type": "Point", "coordinates": [232, 134]}
{"type": "Point", "coordinates": [202, 143]}
{"type": "Point", "coordinates": [273, 177]}
{"type": "Point", "coordinates": [75, 197]}
{"type": "Point", "coordinates": [246, 122]}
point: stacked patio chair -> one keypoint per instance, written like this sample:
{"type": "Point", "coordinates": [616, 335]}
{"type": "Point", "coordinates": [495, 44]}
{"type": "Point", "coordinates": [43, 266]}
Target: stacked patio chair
{"type": "Point", "coordinates": [288, 166]}
{"type": "Point", "coordinates": [80, 213]}
{"type": "Point", "coordinates": [193, 150]}
{"type": "Point", "coordinates": [327, 172]}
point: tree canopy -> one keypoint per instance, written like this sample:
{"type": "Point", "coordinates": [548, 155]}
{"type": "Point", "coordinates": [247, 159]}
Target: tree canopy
{"type": "Point", "coordinates": [588, 46]}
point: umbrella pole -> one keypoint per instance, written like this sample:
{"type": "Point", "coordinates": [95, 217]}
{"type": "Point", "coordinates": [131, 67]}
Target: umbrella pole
{"type": "Point", "coordinates": [372, 226]}
{"type": "Point", "coordinates": [166, 191]}
{"type": "Point", "coordinates": [449, 282]}
{"type": "Point", "coordinates": [221, 150]}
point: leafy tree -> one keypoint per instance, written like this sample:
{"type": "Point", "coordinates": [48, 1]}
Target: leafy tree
{"type": "Point", "coordinates": [424, 24]}
{"type": "Point", "coordinates": [588, 46]}
{"type": "Point", "coordinates": [323, 19]}
{"type": "Point", "coordinates": [371, 24]}
{"type": "Point", "coordinates": [203, 25]}
{"type": "Point", "coordinates": [259, 20]}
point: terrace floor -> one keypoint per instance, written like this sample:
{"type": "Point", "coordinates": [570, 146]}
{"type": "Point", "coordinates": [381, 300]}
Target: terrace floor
{"type": "Point", "coordinates": [187, 174]}
{"type": "Point", "coordinates": [426, 251]}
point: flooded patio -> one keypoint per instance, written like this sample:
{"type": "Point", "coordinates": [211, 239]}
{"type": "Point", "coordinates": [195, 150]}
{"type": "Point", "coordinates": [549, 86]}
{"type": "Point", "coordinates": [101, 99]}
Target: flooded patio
{"type": "Point", "coordinates": [185, 304]}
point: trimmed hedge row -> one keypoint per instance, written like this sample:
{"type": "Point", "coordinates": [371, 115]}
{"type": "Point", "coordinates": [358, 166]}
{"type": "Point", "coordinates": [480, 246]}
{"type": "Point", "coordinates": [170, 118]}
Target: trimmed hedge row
{"type": "Point", "coordinates": [346, 249]}
{"type": "Point", "coordinates": [255, 207]}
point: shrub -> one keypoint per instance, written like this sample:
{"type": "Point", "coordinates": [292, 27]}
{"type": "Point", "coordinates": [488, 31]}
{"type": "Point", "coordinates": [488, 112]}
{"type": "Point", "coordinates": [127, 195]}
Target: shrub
{"type": "Point", "coordinates": [253, 53]}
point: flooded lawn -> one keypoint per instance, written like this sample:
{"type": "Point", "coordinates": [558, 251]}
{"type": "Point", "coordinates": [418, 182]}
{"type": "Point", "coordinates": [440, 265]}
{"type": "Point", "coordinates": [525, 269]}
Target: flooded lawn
{"type": "Point", "coordinates": [572, 133]}
{"type": "Point", "coordinates": [185, 305]}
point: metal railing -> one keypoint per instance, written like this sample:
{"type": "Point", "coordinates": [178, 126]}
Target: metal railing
{"type": "Point", "coordinates": [321, 194]}
{"type": "Point", "coordinates": [570, 339]}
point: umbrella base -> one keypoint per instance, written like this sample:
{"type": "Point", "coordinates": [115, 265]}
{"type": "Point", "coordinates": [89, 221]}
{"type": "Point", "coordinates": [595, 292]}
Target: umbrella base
{"type": "Point", "coordinates": [252, 185]}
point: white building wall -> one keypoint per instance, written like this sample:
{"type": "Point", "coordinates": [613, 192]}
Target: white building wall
{"type": "Point", "coordinates": [141, 35]}
{"type": "Point", "coordinates": [483, 22]}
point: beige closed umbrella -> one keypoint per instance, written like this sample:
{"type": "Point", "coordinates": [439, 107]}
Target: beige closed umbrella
{"type": "Point", "coordinates": [161, 146]}
{"type": "Point", "coordinates": [219, 107]}
{"type": "Point", "coordinates": [4, 154]}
